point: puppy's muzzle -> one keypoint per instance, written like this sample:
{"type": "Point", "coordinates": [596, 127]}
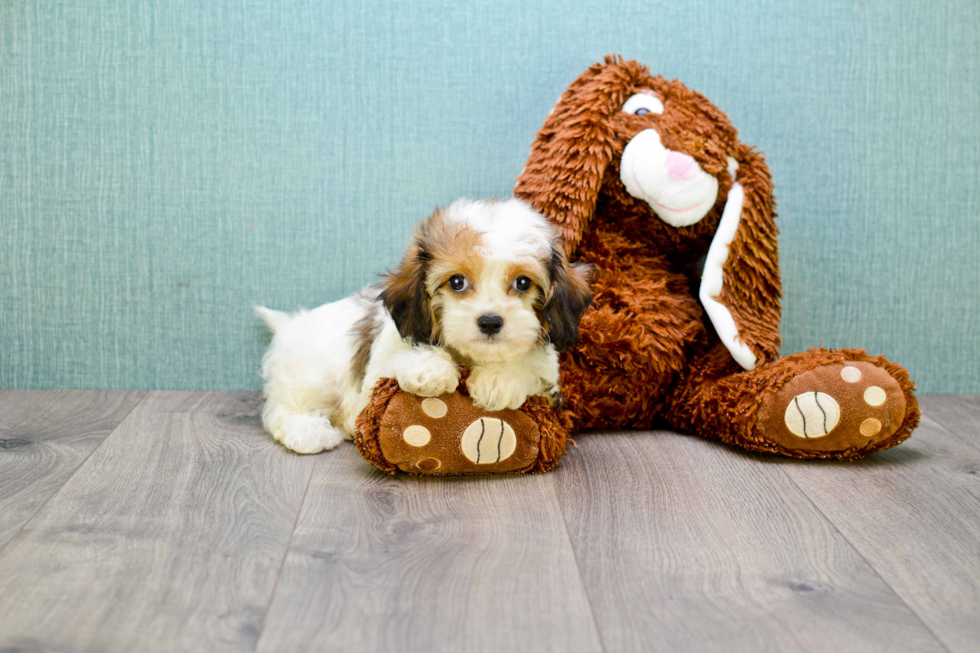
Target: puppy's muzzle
{"type": "Point", "coordinates": [490, 324]}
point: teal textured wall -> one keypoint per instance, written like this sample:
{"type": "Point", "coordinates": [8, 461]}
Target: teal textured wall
{"type": "Point", "coordinates": [163, 166]}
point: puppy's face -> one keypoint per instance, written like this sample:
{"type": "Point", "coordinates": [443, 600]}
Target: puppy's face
{"type": "Point", "coordinates": [489, 281]}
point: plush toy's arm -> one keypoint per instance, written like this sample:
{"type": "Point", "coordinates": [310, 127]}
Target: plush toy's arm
{"type": "Point", "coordinates": [740, 287]}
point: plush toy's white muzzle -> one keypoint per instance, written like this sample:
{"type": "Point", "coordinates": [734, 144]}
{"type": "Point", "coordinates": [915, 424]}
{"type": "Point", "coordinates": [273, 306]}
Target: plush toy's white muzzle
{"type": "Point", "coordinates": [672, 183]}
{"type": "Point", "coordinates": [680, 193]}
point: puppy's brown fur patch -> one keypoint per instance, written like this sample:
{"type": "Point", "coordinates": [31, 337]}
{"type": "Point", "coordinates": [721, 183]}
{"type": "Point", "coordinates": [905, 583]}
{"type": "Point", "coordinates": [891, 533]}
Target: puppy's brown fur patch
{"type": "Point", "coordinates": [439, 249]}
{"type": "Point", "coordinates": [404, 295]}
{"type": "Point", "coordinates": [365, 331]}
{"type": "Point", "coordinates": [454, 247]}
{"type": "Point", "coordinates": [567, 300]}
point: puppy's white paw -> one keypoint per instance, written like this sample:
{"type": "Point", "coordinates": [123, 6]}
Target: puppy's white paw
{"type": "Point", "coordinates": [493, 388]}
{"type": "Point", "coordinates": [430, 376]}
{"type": "Point", "coordinates": [308, 433]}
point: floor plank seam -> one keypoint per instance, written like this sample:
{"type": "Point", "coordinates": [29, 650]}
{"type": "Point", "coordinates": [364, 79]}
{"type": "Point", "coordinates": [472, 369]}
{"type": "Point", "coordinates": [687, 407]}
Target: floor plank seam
{"type": "Point", "coordinates": [143, 395]}
{"type": "Point", "coordinates": [871, 566]}
{"type": "Point", "coordinates": [578, 567]}
{"type": "Point", "coordinates": [282, 565]}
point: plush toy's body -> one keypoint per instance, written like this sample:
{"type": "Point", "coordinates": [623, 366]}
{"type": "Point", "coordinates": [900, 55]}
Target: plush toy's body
{"type": "Point", "coordinates": [648, 181]}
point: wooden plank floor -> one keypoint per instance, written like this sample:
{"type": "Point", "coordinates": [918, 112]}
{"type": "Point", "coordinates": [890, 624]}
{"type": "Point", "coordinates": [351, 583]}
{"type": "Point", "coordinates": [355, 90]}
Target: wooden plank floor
{"type": "Point", "coordinates": [170, 522]}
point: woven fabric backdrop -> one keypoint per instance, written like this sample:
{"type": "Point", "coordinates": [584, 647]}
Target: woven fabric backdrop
{"type": "Point", "coordinates": [164, 166]}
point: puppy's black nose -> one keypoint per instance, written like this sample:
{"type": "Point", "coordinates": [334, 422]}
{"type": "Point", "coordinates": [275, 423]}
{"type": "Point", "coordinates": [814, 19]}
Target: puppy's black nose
{"type": "Point", "coordinates": [490, 324]}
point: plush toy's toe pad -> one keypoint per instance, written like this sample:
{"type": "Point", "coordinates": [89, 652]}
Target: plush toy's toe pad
{"type": "Point", "coordinates": [833, 408]}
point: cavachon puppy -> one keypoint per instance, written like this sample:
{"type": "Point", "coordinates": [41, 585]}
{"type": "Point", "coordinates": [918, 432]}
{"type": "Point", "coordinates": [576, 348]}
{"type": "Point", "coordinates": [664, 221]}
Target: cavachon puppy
{"type": "Point", "coordinates": [484, 284]}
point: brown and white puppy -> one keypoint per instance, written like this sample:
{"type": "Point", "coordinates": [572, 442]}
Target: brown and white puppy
{"type": "Point", "coordinates": [484, 284]}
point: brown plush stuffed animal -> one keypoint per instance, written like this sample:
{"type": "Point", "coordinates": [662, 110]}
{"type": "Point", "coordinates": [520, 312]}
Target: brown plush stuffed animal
{"type": "Point", "coordinates": [648, 181]}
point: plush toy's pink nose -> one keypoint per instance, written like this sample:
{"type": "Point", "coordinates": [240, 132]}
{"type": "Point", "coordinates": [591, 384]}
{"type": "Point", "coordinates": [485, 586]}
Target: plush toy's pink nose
{"type": "Point", "coordinates": [681, 167]}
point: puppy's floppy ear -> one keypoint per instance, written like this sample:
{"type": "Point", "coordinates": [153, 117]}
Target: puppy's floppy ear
{"type": "Point", "coordinates": [567, 301]}
{"type": "Point", "coordinates": [404, 295]}
{"type": "Point", "coordinates": [571, 152]}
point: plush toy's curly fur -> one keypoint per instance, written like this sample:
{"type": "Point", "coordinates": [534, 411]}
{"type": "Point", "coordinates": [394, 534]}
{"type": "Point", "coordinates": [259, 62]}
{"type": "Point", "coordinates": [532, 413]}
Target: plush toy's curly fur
{"type": "Point", "coordinates": [367, 436]}
{"type": "Point", "coordinates": [647, 353]}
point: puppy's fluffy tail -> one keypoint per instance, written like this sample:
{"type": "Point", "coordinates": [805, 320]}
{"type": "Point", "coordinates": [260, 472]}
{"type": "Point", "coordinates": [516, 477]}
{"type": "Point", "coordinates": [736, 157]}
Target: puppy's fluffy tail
{"type": "Point", "coordinates": [275, 320]}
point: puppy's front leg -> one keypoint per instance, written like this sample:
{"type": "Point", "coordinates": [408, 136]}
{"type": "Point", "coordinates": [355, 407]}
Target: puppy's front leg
{"type": "Point", "coordinates": [499, 386]}
{"type": "Point", "coordinates": [426, 371]}
{"type": "Point", "coordinates": [496, 387]}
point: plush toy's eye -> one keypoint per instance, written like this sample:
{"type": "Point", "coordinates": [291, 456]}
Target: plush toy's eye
{"type": "Point", "coordinates": [522, 284]}
{"type": "Point", "coordinates": [643, 103]}
{"type": "Point", "coordinates": [458, 283]}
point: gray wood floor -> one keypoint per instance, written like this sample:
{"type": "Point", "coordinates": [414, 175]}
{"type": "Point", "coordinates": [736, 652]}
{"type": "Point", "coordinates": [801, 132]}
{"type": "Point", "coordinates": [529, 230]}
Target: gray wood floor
{"type": "Point", "coordinates": [167, 521]}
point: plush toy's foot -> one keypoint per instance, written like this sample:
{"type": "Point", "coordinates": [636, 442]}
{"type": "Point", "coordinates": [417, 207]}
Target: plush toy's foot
{"type": "Point", "coordinates": [401, 432]}
{"type": "Point", "coordinates": [837, 407]}
{"type": "Point", "coordinates": [838, 404]}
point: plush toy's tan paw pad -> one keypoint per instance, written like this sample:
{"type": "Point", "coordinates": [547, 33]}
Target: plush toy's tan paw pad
{"type": "Point", "coordinates": [812, 415]}
{"type": "Point", "coordinates": [833, 408]}
{"type": "Point", "coordinates": [488, 441]}
{"type": "Point", "coordinates": [449, 435]}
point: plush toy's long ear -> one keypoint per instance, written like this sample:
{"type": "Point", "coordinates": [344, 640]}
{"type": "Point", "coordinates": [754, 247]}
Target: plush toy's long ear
{"type": "Point", "coordinates": [404, 295]}
{"type": "Point", "coordinates": [570, 153]}
{"type": "Point", "coordinates": [740, 287]}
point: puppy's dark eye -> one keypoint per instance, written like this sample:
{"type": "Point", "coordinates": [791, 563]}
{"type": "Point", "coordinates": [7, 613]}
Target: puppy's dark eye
{"type": "Point", "coordinates": [458, 283]}
{"type": "Point", "coordinates": [641, 112]}
{"type": "Point", "coordinates": [522, 284]}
